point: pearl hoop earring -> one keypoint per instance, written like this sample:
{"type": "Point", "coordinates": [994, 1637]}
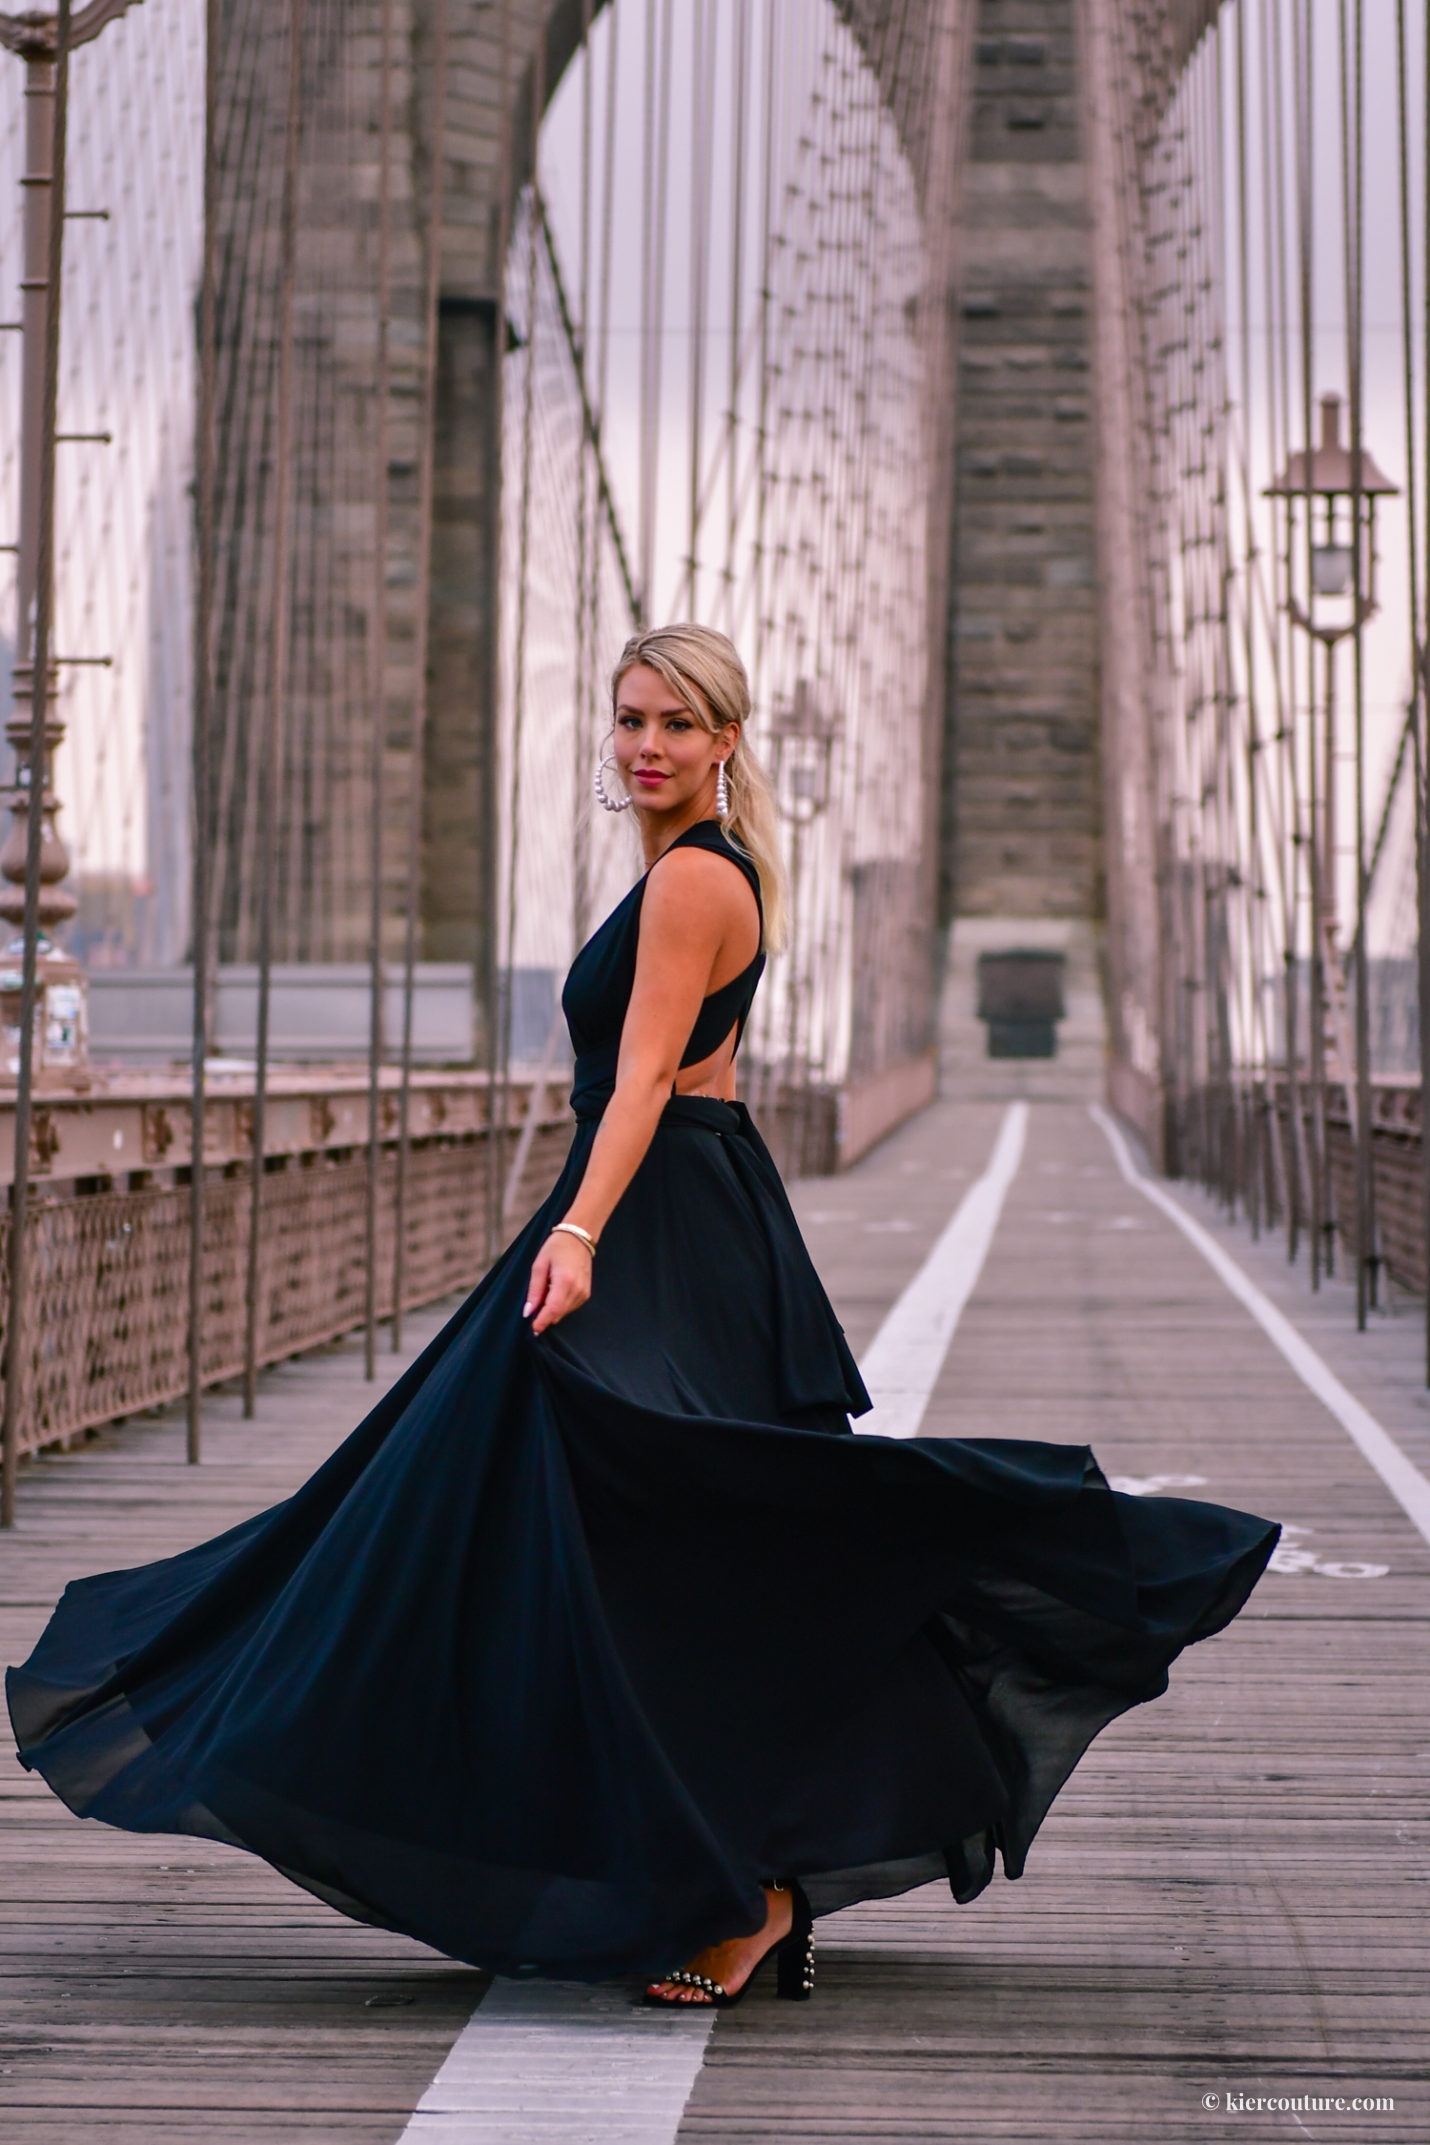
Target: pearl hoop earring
{"type": "Point", "coordinates": [722, 791]}
{"type": "Point", "coordinates": [608, 804]}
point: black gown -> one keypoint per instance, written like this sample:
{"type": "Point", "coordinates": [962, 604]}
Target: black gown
{"type": "Point", "coordinates": [576, 1640]}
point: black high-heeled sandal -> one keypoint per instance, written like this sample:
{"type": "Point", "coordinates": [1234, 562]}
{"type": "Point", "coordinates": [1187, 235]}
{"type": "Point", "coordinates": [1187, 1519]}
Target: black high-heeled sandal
{"type": "Point", "coordinates": [794, 1964]}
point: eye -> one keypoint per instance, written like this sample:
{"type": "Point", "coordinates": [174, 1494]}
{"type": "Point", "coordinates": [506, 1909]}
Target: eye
{"type": "Point", "coordinates": [678, 722]}
{"type": "Point", "coordinates": [628, 722]}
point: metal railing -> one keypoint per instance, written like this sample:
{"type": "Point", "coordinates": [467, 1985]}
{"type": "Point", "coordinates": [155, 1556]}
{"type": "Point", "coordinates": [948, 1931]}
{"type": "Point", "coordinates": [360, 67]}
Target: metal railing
{"type": "Point", "coordinates": [1267, 1153]}
{"type": "Point", "coordinates": [107, 1330]}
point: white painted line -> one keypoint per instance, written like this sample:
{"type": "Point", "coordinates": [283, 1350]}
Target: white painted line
{"type": "Point", "coordinates": [903, 1360]}
{"type": "Point", "coordinates": [543, 2061]}
{"type": "Point", "coordinates": [1404, 1481]}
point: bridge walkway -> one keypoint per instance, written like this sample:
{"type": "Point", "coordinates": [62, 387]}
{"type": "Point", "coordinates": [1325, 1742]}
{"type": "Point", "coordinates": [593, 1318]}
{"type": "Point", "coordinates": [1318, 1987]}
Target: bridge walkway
{"type": "Point", "coordinates": [1227, 1900]}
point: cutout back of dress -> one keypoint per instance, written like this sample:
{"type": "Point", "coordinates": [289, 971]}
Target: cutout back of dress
{"type": "Point", "coordinates": [602, 977]}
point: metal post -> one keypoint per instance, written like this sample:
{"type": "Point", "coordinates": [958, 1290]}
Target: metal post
{"type": "Point", "coordinates": [1316, 1008]}
{"type": "Point", "coordinates": [498, 1001]}
{"type": "Point", "coordinates": [1420, 623]}
{"type": "Point", "coordinates": [432, 322]}
{"type": "Point", "coordinates": [1304, 48]}
{"type": "Point", "coordinates": [1359, 1073]}
{"type": "Point", "coordinates": [1295, 1174]}
{"type": "Point", "coordinates": [270, 769]}
{"type": "Point", "coordinates": [1422, 895]}
{"type": "Point", "coordinates": [1328, 952]}
{"type": "Point", "coordinates": [47, 93]}
{"type": "Point", "coordinates": [1362, 569]}
{"type": "Point", "coordinates": [34, 765]}
{"type": "Point", "coordinates": [1330, 891]}
{"type": "Point", "coordinates": [587, 536]}
{"type": "Point", "coordinates": [205, 448]}
{"type": "Point", "coordinates": [377, 697]}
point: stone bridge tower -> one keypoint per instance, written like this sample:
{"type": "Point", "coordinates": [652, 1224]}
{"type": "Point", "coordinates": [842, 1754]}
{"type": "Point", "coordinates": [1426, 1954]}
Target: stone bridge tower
{"type": "Point", "coordinates": [1042, 812]}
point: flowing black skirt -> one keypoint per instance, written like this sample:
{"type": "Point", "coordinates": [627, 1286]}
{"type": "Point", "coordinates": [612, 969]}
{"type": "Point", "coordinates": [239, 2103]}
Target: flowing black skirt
{"type": "Point", "coordinates": [577, 1640]}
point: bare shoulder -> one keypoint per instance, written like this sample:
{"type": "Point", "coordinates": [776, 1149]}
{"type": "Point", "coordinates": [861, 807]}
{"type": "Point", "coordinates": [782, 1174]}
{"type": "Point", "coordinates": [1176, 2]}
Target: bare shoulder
{"type": "Point", "coordinates": [697, 887]}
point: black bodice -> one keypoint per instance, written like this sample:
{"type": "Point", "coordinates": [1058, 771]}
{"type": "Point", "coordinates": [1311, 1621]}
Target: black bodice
{"type": "Point", "coordinates": [598, 988]}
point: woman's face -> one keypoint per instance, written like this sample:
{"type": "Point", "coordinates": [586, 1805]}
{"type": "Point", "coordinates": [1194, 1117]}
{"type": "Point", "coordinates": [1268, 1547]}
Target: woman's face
{"type": "Point", "coordinates": [666, 758]}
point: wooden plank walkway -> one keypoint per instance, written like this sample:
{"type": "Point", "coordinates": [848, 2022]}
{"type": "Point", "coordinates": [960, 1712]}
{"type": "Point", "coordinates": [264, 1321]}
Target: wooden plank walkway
{"type": "Point", "coordinates": [166, 1989]}
{"type": "Point", "coordinates": [1229, 1898]}
{"type": "Point", "coordinates": [1230, 1895]}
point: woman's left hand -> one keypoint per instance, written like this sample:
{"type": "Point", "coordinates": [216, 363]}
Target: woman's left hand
{"type": "Point", "coordinates": [560, 1281]}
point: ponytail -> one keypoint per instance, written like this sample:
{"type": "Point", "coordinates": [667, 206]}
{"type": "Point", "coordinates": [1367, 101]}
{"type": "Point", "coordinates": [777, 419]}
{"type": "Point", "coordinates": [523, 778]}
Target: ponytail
{"type": "Point", "coordinates": [703, 667]}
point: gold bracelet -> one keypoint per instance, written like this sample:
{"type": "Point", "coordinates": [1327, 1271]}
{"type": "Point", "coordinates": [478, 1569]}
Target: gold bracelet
{"type": "Point", "coordinates": [571, 1228]}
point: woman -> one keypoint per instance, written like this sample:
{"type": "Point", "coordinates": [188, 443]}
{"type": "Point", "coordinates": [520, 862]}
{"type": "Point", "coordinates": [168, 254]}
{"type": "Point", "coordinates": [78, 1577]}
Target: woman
{"type": "Point", "coordinates": [592, 1649]}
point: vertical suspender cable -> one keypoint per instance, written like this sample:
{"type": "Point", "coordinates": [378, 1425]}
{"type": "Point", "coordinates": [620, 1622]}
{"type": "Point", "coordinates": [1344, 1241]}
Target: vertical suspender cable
{"type": "Point", "coordinates": [377, 693]}
{"type": "Point", "coordinates": [1237, 875]}
{"type": "Point", "coordinates": [1303, 22]}
{"type": "Point", "coordinates": [766, 299]}
{"type": "Point", "coordinates": [519, 634]}
{"type": "Point", "coordinates": [1275, 1155]}
{"type": "Point", "coordinates": [603, 322]}
{"type": "Point", "coordinates": [585, 529]}
{"type": "Point", "coordinates": [270, 770]}
{"type": "Point", "coordinates": [244, 393]}
{"type": "Point", "coordinates": [1205, 565]}
{"type": "Point", "coordinates": [1224, 690]}
{"type": "Point", "coordinates": [1260, 1066]}
{"type": "Point", "coordinates": [41, 664]}
{"type": "Point", "coordinates": [608, 205]}
{"type": "Point", "coordinates": [1417, 641]}
{"type": "Point", "coordinates": [739, 96]}
{"type": "Point", "coordinates": [703, 28]}
{"type": "Point", "coordinates": [413, 860]}
{"type": "Point", "coordinates": [1422, 734]}
{"type": "Point", "coordinates": [1279, 395]}
{"type": "Point", "coordinates": [765, 1074]}
{"type": "Point", "coordinates": [653, 303]}
{"type": "Point", "coordinates": [643, 538]}
{"type": "Point", "coordinates": [201, 927]}
{"type": "Point", "coordinates": [1422, 796]}
{"type": "Point", "coordinates": [1214, 430]}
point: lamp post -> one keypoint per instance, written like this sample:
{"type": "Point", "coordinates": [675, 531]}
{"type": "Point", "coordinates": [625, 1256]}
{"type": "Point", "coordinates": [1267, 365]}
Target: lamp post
{"type": "Point", "coordinates": [1331, 574]}
{"type": "Point", "coordinates": [41, 989]}
{"type": "Point", "coordinates": [58, 1023]}
{"type": "Point", "coordinates": [1335, 494]}
{"type": "Point", "coordinates": [803, 733]}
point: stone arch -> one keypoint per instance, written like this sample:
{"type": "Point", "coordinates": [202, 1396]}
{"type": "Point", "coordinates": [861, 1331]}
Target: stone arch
{"type": "Point", "coordinates": [460, 835]}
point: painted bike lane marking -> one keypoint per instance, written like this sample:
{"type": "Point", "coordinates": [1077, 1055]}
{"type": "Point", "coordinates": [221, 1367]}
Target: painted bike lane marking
{"type": "Point", "coordinates": [1401, 1477]}
{"type": "Point", "coordinates": [902, 1362]}
{"type": "Point", "coordinates": [554, 2060]}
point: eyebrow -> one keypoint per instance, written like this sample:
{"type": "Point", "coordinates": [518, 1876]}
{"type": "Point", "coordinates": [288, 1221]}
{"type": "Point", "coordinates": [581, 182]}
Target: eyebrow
{"type": "Point", "coordinates": [627, 707]}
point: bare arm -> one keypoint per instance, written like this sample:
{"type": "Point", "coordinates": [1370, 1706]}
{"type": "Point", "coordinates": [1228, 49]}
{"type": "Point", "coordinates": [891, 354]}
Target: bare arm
{"type": "Point", "coordinates": [693, 904]}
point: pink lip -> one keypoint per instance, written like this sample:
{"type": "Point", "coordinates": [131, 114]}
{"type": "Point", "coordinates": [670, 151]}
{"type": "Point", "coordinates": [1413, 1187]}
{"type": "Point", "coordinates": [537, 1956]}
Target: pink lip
{"type": "Point", "coordinates": [649, 776]}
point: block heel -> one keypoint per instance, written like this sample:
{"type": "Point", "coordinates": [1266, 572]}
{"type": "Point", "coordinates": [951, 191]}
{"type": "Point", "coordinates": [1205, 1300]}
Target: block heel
{"type": "Point", "coordinates": [794, 1959]}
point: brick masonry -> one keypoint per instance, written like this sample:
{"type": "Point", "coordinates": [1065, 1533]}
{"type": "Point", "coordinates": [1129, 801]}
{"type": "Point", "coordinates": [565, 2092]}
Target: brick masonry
{"type": "Point", "coordinates": [322, 832]}
{"type": "Point", "coordinates": [1021, 769]}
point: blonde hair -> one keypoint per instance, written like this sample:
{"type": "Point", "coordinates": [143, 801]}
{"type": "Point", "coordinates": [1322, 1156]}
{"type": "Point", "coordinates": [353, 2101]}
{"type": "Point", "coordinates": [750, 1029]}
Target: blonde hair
{"type": "Point", "coordinates": [703, 668]}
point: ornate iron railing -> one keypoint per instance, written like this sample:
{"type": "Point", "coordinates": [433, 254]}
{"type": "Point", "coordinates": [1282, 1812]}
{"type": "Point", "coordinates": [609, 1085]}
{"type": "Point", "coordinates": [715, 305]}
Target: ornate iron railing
{"type": "Point", "coordinates": [107, 1331]}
